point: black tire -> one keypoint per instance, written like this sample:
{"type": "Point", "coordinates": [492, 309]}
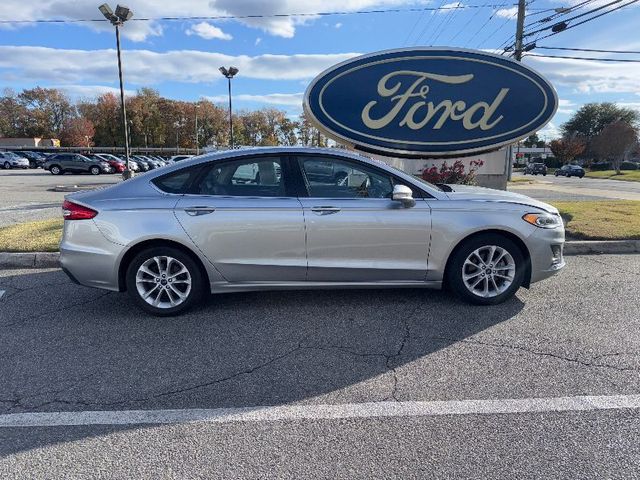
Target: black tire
{"type": "Point", "coordinates": [7, 166]}
{"type": "Point", "coordinates": [56, 170]}
{"type": "Point", "coordinates": [197, 280]}
{"type": "Point", "coordinates": [454, 272]}
{"type": "Point", "coordinates": [94, 170]}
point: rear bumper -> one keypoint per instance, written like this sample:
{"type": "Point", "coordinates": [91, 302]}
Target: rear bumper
{"type": "Point", "coordinates": [90, 259]}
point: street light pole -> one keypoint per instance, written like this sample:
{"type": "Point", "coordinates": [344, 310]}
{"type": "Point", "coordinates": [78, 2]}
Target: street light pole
{"type": "Point", "coordinates": [229, 74]}
{"type": "Point", "coordinates": [127, 173]}
{"type": "Point", "coordinates": [230, 115]}
{"type": "Point", "coordinates": [196, 110]}
{"type": "Point", "coordinates": [117, 19]}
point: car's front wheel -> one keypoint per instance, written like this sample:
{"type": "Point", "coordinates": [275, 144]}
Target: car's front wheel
{"type": "Point", "coordinates": [164, 281]}
{"type": "Point", "coordinates": [55, 170]}
{"type": "Point", "coordinates": [7, 165]}
{"type": "Point", "coordinates": [486, 270]}
{"type": "Point", "coordinates": [94, 170]}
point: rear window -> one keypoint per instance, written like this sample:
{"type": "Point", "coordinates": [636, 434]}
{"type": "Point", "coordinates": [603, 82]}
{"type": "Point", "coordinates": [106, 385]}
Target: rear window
{"type": "Point", "coordinates": [177, 182]}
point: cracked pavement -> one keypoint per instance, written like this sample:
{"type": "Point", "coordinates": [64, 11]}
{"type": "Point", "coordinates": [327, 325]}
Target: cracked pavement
{"type": "Point", "coordinates": [68, 348]}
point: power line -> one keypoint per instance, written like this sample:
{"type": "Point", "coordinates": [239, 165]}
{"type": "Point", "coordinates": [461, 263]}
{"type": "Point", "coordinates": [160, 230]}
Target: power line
{"type": "Point", "coordinates": [274, 15]}
{"type": "Point", "coordinates": [481, 27]}
{"type": "Point", "coordinates": [628, 60]}
{"type": "Point", "coordinates": [588, 50]}
{"type": "Point", "coordinates": [587, 20]}
{"type": "Point", "coordinates": [500, 27]}
{"type": "Point", "coordinates": [579, 16]}
{"type": "Point", "coordinates": [443, 25]}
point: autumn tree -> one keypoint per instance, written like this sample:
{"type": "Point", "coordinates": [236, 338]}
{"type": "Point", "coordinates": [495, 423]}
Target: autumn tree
{"type": "Point", "coordinates": [615, 142]}
{"type": "Point", "coordinates": [77, 132]}
{"type": "Point", "coordinates": [308, 134]}
{"type": "Point", "coordinates": [46, 111]}
{"type": "Point", "coordinates": [567, 148]}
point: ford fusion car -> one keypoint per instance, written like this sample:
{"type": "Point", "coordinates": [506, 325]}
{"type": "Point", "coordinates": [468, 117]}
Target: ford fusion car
{"type": "Point", "coordinates": [259, 219]}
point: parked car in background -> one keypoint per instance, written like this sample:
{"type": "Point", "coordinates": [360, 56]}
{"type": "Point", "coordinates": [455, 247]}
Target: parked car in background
{"type": "Point", "coordinates": [117, 166]}
{"type": "Point", "coordinates": [177, 158]}
{"type": "Point", "coordinates": [535, 169]}
{"type": "Point", "coordinates": [36, 159]}
{"type": "Point", "coordinates": [143, 165]}
{"type": "Point", "coordinates": [61, 163]}
{"type": "Point", "coordinates": [255, 219]}
{"type": "Point", "coordinates": [570, 171]}
{"type": "Point", "coordinates": [133, 166]}
{"type": "Point", "coordinates": [13, 160]}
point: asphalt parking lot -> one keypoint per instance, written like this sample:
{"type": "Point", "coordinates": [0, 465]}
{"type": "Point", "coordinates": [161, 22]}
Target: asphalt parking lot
{"type": "Point", "coordinates": [27, 195]}
{"type": "Point", "coordinates": [324, 384]}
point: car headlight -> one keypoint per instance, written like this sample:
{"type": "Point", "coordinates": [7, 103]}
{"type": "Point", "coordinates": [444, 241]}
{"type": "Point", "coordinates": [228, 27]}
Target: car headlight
{"type": "Point", "coordinates": [543, 220]}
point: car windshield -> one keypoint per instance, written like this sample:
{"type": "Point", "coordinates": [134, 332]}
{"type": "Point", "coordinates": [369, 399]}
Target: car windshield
{"type": "Point", "coordinates": [12, 155]}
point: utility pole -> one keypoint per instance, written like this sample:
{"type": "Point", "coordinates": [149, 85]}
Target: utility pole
{"type": "Point", "coordinates": [518, 56]}
{"type": "Point", "coordinates": [519, 30]}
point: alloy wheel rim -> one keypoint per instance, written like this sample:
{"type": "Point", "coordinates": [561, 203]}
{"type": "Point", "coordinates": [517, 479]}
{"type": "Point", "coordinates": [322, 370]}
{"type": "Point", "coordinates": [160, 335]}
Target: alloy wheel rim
{"type": "Point", "coordinates": [163, 282]}
{"type": "Point", "coordinates": [488, 271]}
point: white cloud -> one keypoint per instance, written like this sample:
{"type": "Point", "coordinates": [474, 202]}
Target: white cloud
{"type": "Point", "coordinates": [144, 67]}
{"type": "Point", "coordinates": [207, 31]}
{"type": "Point", "coordinates": [565, 106]}
{"type": "Point", "coordinates": [338, 25]}
{"type": "Point", "coordinates": [550, 131]}
{"type": "Point", "coordinates": [587, 76]}
{"type": "Point", "coordinates": [141, 30]}
{"type": "Point", "coordinates": [257, 42]}
{"type": "Point", "coordinates": [507, 12]}
{"type": "Point", "coordinates": [288, 99]}
{"type": "Point", "coordinates": [79, 92]}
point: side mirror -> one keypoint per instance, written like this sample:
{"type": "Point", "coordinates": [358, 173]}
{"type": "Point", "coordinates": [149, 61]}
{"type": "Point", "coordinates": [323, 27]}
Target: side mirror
{"type": "Point", "coordinates": [403, 194]}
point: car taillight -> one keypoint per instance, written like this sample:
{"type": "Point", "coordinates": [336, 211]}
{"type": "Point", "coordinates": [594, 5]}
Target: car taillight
{"type": "Point", "coordinates": [73, 211]}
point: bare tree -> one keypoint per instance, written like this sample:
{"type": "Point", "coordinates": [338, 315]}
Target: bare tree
{"type": "Point", "coordinates": [616, 141]}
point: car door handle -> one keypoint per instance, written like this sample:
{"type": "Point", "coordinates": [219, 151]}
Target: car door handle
{"type": "Point", "coordinates": [200, 210]}
{"type": "Point", "coordinates": [325, 210]}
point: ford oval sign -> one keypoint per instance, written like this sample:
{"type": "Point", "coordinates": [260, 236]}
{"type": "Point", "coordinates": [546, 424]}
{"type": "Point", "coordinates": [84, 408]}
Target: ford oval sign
{"type": "Point", "coordinates": [430, 102]}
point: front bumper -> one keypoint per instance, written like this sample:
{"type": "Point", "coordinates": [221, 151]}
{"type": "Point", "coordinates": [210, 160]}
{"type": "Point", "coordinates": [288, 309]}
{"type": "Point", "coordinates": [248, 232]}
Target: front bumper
{"type": "Point", "coordinates": [546, 249]}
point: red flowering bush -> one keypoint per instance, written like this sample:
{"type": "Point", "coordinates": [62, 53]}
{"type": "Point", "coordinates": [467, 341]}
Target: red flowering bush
{"type": "Point", "coordinates": [452, 173]}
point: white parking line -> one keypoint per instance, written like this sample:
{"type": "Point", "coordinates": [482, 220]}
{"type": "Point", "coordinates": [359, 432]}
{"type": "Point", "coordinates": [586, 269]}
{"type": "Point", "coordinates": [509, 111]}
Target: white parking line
{"type": "Point", "coordinates": [323, 412]}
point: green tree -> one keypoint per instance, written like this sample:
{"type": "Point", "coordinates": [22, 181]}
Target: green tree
{"type": "Point", "coordinates": [591, 118]}
{"type": "Point", "coordinates": [47, 109]}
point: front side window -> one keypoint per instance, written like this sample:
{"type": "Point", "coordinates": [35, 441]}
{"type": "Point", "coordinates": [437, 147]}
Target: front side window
{"type": "Point", "coordinates": [335, 178]}
{"type": "Point", "coordinates": [248, 177]}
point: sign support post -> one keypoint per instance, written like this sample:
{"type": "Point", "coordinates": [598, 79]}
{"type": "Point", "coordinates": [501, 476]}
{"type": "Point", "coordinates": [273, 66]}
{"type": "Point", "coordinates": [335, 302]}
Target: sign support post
{"type": "Point", "coordinates": [518, 56]}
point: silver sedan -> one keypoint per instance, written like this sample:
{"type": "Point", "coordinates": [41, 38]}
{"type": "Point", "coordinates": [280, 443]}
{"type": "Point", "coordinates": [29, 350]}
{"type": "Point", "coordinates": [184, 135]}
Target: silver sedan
{"type": "Point", "coordinates": [293, 218]}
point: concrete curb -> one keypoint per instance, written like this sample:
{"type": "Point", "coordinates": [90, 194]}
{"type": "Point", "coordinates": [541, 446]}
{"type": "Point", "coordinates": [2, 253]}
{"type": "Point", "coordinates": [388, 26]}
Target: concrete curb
{"type": "Point", "coordinates": [576, 247]}
{"type": "Point", "coordinates": [595, 247]}
{"type": "Point", "coordinates": [30, 260]}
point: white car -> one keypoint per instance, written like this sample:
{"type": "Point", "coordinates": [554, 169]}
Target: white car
{"type": "Point", "coordinates": [13, 160]}
{"type": "Point", "coordinates": [177, 158]}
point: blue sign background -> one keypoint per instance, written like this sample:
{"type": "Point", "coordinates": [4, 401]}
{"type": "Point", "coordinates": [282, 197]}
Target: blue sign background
{"type": "Point", "coordinates": [336, 98]}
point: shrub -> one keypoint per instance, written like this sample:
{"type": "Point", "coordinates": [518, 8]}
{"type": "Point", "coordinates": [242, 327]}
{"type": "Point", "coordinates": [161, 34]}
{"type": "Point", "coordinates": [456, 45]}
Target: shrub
{"type": "Point", "coordinates": [452, 174]}
{"type": "Point", "coordinates": [628, 166]}
{"type": "Point", "coordinates": [552, 162]}
{"type": "Point", "coordinates": [601, 166]}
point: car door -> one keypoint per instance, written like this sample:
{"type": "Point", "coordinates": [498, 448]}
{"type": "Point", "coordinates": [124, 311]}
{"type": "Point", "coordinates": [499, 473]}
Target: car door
{"type": "Point", "coordinates": [246, 219]}
{"type": "Point", "coordinates": [355, 231]}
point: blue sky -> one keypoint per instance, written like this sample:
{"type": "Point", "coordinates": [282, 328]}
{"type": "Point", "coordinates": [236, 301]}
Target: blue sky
{"type": "Point", "coordinates": [277, 57]}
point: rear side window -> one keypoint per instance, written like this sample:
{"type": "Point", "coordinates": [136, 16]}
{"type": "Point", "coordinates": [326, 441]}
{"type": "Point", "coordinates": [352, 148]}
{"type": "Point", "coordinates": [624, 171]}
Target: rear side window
{"type": "Point", "coordinates": [177, 182]}
{"type": "Point", "coordinates": [246, 177]}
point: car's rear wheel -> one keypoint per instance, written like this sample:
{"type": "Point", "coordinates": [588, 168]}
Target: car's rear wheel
{"type": "Point", "coordinates": [486, 270]}
{"type": "Point", "coordinates": [7, 165]}
{"type": "Point", "coordinates": [94, 170]}
{"type": "Point", "coordinates": [164, 281]}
